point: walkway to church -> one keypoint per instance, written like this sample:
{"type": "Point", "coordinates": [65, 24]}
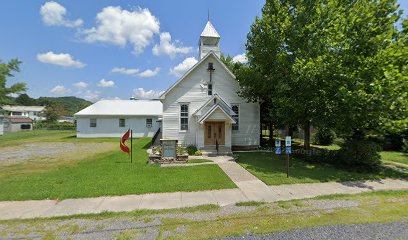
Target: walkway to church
{"type": "Point", "coordinates": [249, 189]}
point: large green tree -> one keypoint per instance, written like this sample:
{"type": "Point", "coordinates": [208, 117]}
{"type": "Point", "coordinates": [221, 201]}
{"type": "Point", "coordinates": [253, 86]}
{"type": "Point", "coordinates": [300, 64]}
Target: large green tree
{"type": "Point", "coordinates": [318, 63]}
{"type": "Point", "coordinates": [6, 71]}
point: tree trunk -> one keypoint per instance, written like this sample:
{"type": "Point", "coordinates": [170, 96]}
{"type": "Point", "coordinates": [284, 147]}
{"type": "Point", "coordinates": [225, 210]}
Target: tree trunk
{"type": "Point", "coordinates": [306, 129]}
{"type": "Point", "coordinates": [271, 142]}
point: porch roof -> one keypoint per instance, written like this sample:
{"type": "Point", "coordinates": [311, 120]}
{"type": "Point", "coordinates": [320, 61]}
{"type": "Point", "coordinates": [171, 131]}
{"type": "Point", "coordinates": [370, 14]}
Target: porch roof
{"type": "Point", "coordinates": [212, 110]}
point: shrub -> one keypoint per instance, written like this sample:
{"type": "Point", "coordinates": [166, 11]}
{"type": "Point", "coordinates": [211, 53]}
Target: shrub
{"type": "Point", "coordinates": [359, 154]}
{"type": "Point", "coordinates": [405, 145]}
{"type": "Point", "coordinates": [198, 153]}
{"type": "Point", "coordinates": [191, 149]}
{"type": "Point", "coordinates": [324, 137]}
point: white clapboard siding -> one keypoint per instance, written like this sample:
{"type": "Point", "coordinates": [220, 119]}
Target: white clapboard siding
{"type": "Point", "coordinates": [109, 126]}
{"type": "Point", "coordinates": [189, 91]}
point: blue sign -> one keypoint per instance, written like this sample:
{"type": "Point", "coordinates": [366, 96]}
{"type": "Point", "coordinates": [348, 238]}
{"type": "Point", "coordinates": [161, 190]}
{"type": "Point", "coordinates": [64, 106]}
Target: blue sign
{"type": "Point", "coordinates": [278, 150]}
{"type": "Point", "coordinates": [288, 141]}
{"type": "Point", "coordinates": [277, 143]}
{"type": "Point", "coordinates": [288, 150]}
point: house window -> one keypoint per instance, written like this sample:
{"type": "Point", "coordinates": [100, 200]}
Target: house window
{"type": "Point", "coordinates": [210, 89]}
{"type": "Point", "coordinates": [235, 116]}
{"type": "Point", "coordinates": [92, 122]}
{"type": "Point", "coordinates": [16, 114]}
{"type": "Point", "coordinates": [149, 122]}
{"type": "Point", "coordinates": [184, 117]}
{"type": "Point", "coordinates": [25, 126]}
{"type": "Point", "coordinates": [122, 122]}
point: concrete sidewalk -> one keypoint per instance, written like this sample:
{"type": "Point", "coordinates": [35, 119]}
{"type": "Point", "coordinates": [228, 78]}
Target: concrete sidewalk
{"type": "Point", "coordinates": [53, 208]}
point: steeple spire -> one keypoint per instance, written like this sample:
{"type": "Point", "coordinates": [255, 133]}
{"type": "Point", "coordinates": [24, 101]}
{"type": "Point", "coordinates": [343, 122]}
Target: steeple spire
{"type": "Point", "coordinates": [209, 40]}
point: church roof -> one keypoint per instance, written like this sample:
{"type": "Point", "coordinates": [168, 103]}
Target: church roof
{"type": "Point", "coordinates": [123, 108]}
{"type": "Point", "coordinates": [209, 31]}
{"type": "Point", "coordinates": [211, 53]}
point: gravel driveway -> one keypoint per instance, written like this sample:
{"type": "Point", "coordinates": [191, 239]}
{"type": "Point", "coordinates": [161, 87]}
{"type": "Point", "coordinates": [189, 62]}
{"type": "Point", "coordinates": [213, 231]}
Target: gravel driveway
{"type": "Point", "coordinates": [12, 155]}
{"type": "Point", "coordinates": [396, 230]}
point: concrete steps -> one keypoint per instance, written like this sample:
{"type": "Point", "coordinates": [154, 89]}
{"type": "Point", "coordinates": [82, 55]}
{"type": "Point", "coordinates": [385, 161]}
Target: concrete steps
{"type": "Point", "coordinates": [212, 151]}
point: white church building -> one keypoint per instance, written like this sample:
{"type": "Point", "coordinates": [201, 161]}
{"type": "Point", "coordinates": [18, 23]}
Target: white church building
{"type": "Point", "coordinates": [202, 108]}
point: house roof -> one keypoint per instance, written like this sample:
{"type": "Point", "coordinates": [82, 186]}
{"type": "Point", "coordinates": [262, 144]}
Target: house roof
{"type": "Point", "coordinates": [209, 31]}
{"type": "Point", "coordinates": [123, 108]}
{"type": "Point", "coordinates": [19, 119]}
{"type": "Point", "coordinates": [23, 108]}
{"type": "Point", "coordinates": [215, 107]}
{"type": "Point", "coordinates": [193, 67]}
{"type": "Point", "coordinates": [210, 100]}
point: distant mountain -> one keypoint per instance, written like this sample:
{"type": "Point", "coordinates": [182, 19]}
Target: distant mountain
{"type": "Point", "coordinates": [70, 104]}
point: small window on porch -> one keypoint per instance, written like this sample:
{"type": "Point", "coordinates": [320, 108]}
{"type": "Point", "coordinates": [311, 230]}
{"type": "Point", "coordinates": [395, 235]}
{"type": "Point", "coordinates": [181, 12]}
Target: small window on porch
{"type": "Point", "coordinates": [235, 116]}
{"type": "Point", "coordinates": [184, 117]}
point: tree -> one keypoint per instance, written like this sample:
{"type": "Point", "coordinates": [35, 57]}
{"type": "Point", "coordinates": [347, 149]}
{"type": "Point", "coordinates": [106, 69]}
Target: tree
{"type": "Point", "coordinates": [54, 111]}
{"type": "Point", "coordinates": [318, 62]}
{"type": "Point", "coordinates": [6, 71]}
{"type": "Point", "coordinates": [25, 100]}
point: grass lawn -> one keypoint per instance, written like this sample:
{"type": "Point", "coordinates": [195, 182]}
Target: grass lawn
{"type": "Point", "coordinates": [199, 161]}
{"type": "Point", "coordinates": [109, 173]}
{"type": "Point", "coordinates": [271, 169]}
{"type": "Point", "coordinates": [397, 157]}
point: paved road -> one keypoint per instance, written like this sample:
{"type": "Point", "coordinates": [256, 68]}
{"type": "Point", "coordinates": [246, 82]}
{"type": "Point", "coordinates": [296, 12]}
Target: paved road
{"type": "Point", "coordinates": [398, 230]}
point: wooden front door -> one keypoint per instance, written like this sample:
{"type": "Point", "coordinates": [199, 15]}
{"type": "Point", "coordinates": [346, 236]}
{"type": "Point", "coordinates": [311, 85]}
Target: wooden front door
{"type": "Point", "coordinates": [214, 131]}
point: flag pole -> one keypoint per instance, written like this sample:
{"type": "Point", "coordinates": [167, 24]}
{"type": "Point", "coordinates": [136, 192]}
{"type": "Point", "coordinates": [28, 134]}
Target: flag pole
{"type": "Point", "coordinates": [131, 145]}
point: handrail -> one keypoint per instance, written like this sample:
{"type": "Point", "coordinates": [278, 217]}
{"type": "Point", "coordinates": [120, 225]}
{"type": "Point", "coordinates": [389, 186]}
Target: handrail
{"type": "Point", "coordinates": [155, 136]}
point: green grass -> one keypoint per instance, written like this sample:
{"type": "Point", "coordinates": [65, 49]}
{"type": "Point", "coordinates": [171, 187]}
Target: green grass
{"type": "Point", "coordinates": [271, 169]}
{"type": "Point", "coordinates": [398, 157]}
{"type": "Point", "coordinates": [110, 173]}
{"type": "Point", "coordinates": [198, 161]}
{"type": "Point", "coordinates": [249, 204]}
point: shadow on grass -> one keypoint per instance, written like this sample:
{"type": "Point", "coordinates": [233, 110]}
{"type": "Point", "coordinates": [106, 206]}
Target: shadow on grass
{"type": "Point", "coordinates": [272, 170]}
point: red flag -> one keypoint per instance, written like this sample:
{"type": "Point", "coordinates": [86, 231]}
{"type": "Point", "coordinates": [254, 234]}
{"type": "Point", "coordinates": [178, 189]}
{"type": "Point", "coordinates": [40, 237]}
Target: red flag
{"type": "Point", "coordinates": [123, 146]}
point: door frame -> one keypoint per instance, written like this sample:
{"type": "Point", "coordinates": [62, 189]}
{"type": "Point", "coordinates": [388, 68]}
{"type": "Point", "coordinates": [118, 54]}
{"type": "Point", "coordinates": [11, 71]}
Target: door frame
{"type": "Point", "coordinates": [213, 127]}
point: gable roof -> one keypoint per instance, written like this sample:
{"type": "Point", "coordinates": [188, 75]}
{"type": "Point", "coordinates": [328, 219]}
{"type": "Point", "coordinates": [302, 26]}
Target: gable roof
{"type": "Point", "coordinates": [209, 31]}
{"type": "Point", "coordinates": [211, 99]}
{"type": "Point", "coordinates": [19, 119]}
{"type": "Point", "coordinates": [123, 108]}
{"type": "Point", "coordinates": [193, 67]}
{"type": "Point", "coordinates": [23, 108]}
{"type": "Point", "coordinates": [205, 116]}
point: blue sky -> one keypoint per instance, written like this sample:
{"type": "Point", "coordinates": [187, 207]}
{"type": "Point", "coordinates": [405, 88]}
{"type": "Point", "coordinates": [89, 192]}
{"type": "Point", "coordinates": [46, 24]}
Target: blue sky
{"type": "Point", "coordinates": [115, 49]}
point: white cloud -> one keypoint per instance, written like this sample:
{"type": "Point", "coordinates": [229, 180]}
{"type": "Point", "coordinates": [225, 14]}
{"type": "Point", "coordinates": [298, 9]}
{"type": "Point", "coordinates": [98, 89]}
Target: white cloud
{"type": "Point", "coordinates": [149, 73]}
{"type": "Point", "coordinates": [13, 95]}
{"type": "Point", "coordinates": [53, 14]}
{"type": "Point", "coordinates": [121, 27]}
{"type": "Point", "coordinates": [169, 48]}
{"type": "Point", "coordinates": [81, 85]}
{"type": "Point", "coordinates": [135, 72]}
{"type": "Point", "coordinates": [59, 90]}
{"type": "Point", "coordinates": [126, 71]}
{"type": "Point", "coordinates": [106, 83]}
{"type": "Point", "coordinates": [61, 59]}
{"type": "Point", "coordinates": [183, 67]}
{"type": "Point", "coordinates": [240, 58]}
{"type": "Point", "coordinates": [141, 93]}
{"type": "Point", "coordinates": [91, 95]}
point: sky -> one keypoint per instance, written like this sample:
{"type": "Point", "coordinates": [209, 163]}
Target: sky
{"type": "Point", "coordinates": [116, 49]}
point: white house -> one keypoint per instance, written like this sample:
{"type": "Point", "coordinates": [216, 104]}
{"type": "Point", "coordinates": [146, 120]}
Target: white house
{"type": "Point", "coordinates": [112, 118]}
{"type": "Point", "coordinates": [18, 124]}
{"type": "Point", "coordinates": [33, 112]}
{"type": "Point", "coordinates": [203, 108]}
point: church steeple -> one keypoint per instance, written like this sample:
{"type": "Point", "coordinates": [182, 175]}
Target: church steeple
{"type": "Point", "coordinates": [209, 41]}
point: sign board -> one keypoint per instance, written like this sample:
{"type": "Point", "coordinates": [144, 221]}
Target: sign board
{"type": "Point", "coordinates": [288, 141]}
{"type": "Point", "coordinates": [169, 148]}
{"type": "Point", "coordinates": [288, 150]}
{"type": "Point", "coordinates": [277, 143]}
{"type": "Point", "coordinates": [278, 150]}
